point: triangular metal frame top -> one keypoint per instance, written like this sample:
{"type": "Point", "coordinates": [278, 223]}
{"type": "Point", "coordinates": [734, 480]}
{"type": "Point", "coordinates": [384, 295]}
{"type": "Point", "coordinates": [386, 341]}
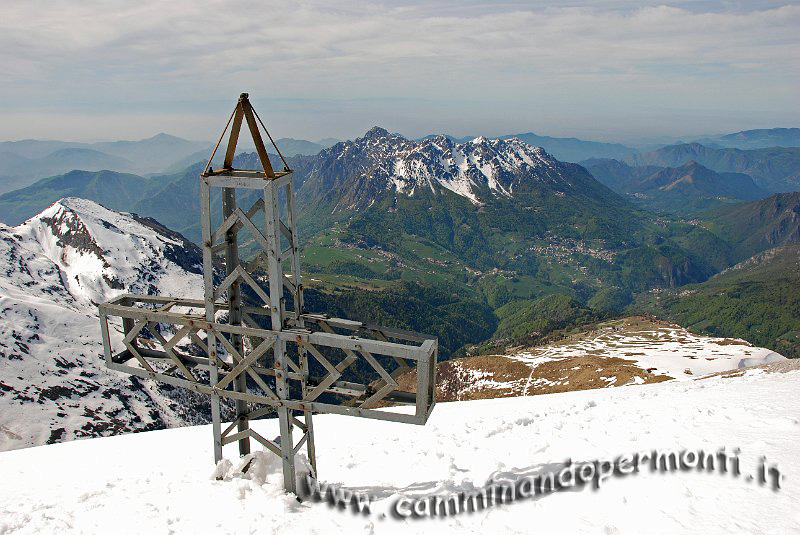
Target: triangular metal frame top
{"type": "Point", "coordinates": [244, 111]}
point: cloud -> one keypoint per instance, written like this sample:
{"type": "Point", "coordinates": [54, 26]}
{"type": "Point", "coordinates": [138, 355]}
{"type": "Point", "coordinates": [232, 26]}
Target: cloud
{"type": "Point", "coordinates": [79, 56]}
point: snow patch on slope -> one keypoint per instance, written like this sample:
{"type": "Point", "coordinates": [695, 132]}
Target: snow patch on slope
{"type": "Point", "coordinates": [660, 348]}
{"type": "Point", "coordinates": [56, 267]}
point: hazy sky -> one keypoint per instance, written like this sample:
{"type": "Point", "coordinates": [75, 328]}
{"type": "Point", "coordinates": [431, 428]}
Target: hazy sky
{"type": "Point", "coordinates": [613, 70]}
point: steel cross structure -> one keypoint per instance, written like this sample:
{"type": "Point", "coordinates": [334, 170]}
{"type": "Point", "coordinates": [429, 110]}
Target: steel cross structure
{"type": "Point", "coordinates": [250, 341]}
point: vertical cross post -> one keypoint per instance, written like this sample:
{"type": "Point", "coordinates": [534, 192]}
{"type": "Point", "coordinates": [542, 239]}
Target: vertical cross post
{"type": "Point", "coordinates": [210, 311]}
{"type": "Point", "coordinates": [275, 273]}
{"type": "Point", "coordinates": [235, 314]}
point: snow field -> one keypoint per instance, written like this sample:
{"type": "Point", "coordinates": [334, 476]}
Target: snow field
{"type": "Point", "coordinates": [161, 481]}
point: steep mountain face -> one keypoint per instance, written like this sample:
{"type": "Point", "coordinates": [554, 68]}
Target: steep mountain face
{"type": "Point", "coordinates": [358, 173]}
{"type": "Point", "coordinates": [685, 190]}
{"type": "Point", "coordinates": [755, 226]}
{"type": "Point", "coordinates": [776, 169]}
{"type": "Point", "coordinates": [117, 191]}
{"type": "Point", "coordinates": [776, 263]}
{"type": "Point", "coordinates": [56, 267]}
{"type": "Point", "coordinates": [693, 179]}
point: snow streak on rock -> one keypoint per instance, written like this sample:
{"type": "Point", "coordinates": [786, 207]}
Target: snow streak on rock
{"type": "Point", "coordinates": [380, 162]}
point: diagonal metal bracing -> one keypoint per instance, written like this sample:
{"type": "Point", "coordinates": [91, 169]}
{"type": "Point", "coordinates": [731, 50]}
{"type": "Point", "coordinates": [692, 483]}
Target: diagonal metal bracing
{"type": "Point", "coordinates": [270, 445]}
{"type": "Point", "coordinates": [257, 140]}
{"type": "Point", "coordinates": [248, 320]}
{"type": "Point", "coordinates": [295, 368]}
{"type": "Point", "coordinates": [388, 382]}
{"type": "Point", "coordinates": [168, 346]}
{"type": "Point", "coordinates": [230, 152]}
{"type": "Point", "coordinates": [300, 442]}
{"type": "Point", "coordinates": [245, 362]}
{"type": "Point", "coordinates": [245, 221]}
{"type": "Point", "coordinates": [222, 230]}
{"type": "Point", "coordinates": [237, 358]}
{"type": "Point", "coordinates": [128, 342]}
{"type": "Point", "coordinates": [198, 342]}
{"type": "Point", "coordinates": [254, 285]}
{"type": "Point", "coordinates": [257, 207]}
{"type": "Point", "coordinates": [226, 283]}
{"type": "Point", "coordinates": [239, 273]}
{"type": "Point", "coordinates": [239, 220]}
{"type": "Point", "coordinates": [328, 380]}
{"type": "Point", "coordinates": [228, 429]}
{"type": "Point", "coordinates": [238, 436]}
{"type": "Point", "coordinates": [402, 364]}
{"type": "Point", "coordinates": [289, 284]}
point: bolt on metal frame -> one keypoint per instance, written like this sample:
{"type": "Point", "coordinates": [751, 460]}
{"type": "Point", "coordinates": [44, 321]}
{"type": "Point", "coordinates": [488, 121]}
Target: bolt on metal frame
{"type": "Point", "coordinates": [241, 360]}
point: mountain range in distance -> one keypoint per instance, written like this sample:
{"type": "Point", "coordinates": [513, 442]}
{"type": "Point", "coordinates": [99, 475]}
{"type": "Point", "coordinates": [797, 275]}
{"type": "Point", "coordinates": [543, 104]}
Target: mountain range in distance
{"type": "Point", "coordinates": [451, 212]}
{"type": "Point", "coordinates": [24, 162]}
{"type": "Point", "coordinates": [481, 205]}
{"type": "Point", "coordinates": [19, 171]}
{"type": "Point", "coordinates": [761, 138]}
{"type": "Point", "coordinates": [566, 149]}
{"type": "Point", "coordinates": [687, 179]}
{"type": "Point", "coordinates": [774, 169]}
{"type": "Point", "coordinates": [570, 149]}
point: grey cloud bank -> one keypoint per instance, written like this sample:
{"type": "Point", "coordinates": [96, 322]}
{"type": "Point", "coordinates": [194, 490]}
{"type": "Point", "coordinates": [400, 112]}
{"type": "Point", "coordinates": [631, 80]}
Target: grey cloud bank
{"type": "Point", "coordinates": [613, 70]}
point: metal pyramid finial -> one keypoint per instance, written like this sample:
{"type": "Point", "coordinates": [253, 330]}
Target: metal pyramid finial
{"type": "Point", "coordinates": [244, 111]}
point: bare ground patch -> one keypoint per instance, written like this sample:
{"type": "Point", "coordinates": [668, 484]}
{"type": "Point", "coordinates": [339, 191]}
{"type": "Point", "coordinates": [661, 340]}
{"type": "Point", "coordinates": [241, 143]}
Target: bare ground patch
{"type": "Point", "coordinates": [497, 376]}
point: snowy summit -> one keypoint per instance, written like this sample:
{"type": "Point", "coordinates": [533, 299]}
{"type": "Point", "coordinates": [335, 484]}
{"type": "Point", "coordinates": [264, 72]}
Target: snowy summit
{"type": "Point", "coordinates": [381, 162]}
{"type": "Point", "coordinates": [57, 266]}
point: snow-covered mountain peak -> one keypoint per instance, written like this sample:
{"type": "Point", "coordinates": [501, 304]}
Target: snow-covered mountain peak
{"type": "Point", "coordinates": [380, 162]}
{"type": "Point", "coordinates": [100, 253]}
{"type": "Point", "coordinates": [55, 268]}
{"type": "Point", "coordinates": [61, 226]}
